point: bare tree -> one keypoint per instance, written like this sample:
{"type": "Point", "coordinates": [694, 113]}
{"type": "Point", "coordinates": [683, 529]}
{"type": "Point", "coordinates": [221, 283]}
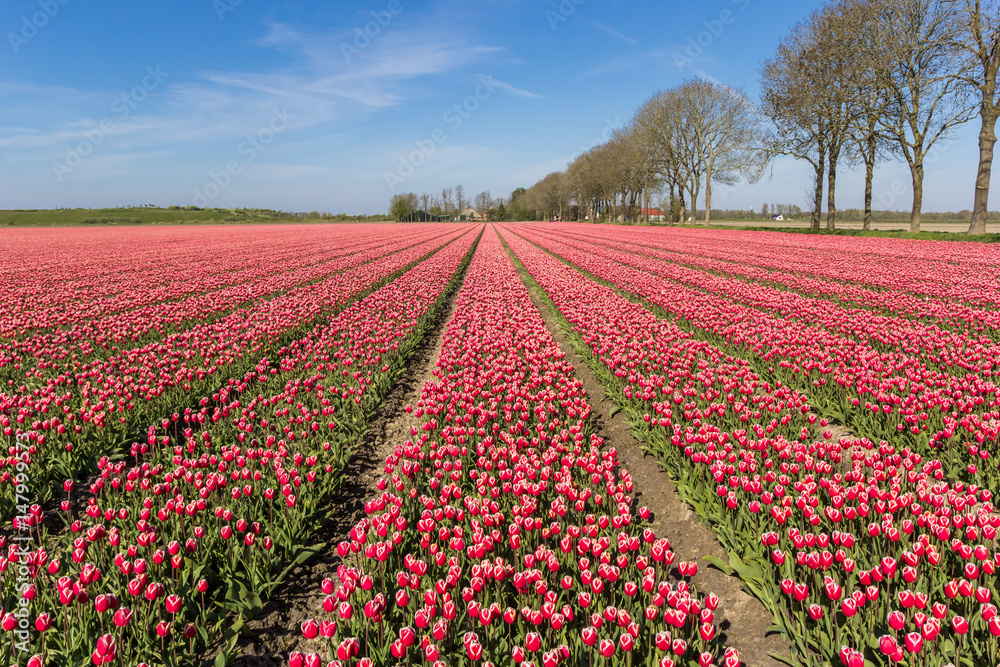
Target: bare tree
{"type": "Point", "coordinates": [835, 38]}
{"type": "Point", "coordinates": [446, 200]}
{"type": "Point", "coordinates": [584, 182]}
{"type": "Point", "coordinates": [978, 36]}
{"type": "Point", "coordinates": [918, 41]}
{"type": "Point", "coordinates": [656, 121]}
{"type": "Point", "coordinates": [637, 174]}
{"type": "Point", "coordinates": [724, 127]}
{"type": "Point", "coordinates": [626, 164]}
{"type": "Point", "coordinates": [793, 84]}
{"type": "Point", "coordinates": [483, 202]}
{"type": "Point", "coordinates": [402, 206]}
{"type": "Point", "coordinates": [550, 196]}
{"type": "Point", "coordinates": [690, 150]}
{"type": "Point", "coordinates": [460, 202]}
{"type": "Point", "coordinates": [856, 27]}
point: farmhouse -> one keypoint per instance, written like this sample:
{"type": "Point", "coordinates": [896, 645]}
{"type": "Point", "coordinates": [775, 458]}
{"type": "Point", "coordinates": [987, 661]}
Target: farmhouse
{"type": "Point", "coordinates": [655, 214]}
{"type": "Point", "coordinates": [471, 214]}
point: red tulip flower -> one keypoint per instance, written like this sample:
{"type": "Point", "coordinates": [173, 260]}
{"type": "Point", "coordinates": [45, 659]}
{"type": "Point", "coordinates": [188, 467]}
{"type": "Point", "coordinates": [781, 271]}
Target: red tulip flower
{"type": "Point", "coordinates": [310, 629]}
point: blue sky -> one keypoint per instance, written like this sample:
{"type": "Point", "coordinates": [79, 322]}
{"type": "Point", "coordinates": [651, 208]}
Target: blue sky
{"type": "Point", "coordinates": [306, 105]}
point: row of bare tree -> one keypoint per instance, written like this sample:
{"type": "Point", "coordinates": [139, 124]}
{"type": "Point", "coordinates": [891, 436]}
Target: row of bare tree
{"type": "Point", "coordinates": [861, 81]}
{"type": "Point", "coordinates": [856, 83]}
{"type": "Point", "coordinates": [682, 141]}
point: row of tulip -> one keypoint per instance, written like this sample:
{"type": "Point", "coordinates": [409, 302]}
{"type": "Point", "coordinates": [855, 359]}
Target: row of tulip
{"type": "Point", "coordinates": [77, 275]}
{"type": "Point", "coordinates": [957, 271]}
{"type": "Point", "coordinates": [175, 547]}
{"type": "Point", "coordinates": [883, 395]}
{"type": "Point", "coordinates": [76, 417]}
{"type": "Point", "coordinates": [866, 553]}
{"type": "Point", "coordinates": [780, 266]}
{"type": "Point", "coordinates": [47, 353]}
{"type": "Point", "coordinates": [942, 349]}
{"type": "Point", "coordinates": [503, 531]}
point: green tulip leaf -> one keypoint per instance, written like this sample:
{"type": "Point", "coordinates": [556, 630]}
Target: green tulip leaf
{"type": "Point", "coordinates": [791, 662]}
{"type": "Point", "coordinates": [718, 563]}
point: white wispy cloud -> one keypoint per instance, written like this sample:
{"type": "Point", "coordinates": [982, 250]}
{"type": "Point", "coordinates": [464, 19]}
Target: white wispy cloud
{"type": "Point", "coordinates": [645, 59]}
{"type": "Point", "coordinates": [317, 83]}
{"type": "Point", "coordinates": [612, 31]}
{"type": "Point", "coordinates": [194, 122]}
{"type": "Point", "coordinates": [116, 165]}
{"type": "Point", "coordinates": [516, 92]}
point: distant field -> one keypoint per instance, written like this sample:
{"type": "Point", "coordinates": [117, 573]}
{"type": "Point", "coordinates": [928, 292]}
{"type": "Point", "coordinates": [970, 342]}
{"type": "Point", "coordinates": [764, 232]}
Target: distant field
{"type": "Point", "coordinates": [138, 216]}
{"type": "Point", "coordinates": [900, 226]}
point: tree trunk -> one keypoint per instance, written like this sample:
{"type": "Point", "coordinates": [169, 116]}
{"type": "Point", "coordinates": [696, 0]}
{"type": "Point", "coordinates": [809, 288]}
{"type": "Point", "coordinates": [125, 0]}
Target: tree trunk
{"type": "Point", "coordinates": [708, 198]}
{"type": "Point", "coordinates": [645, 195]}
{"type": "Point", "coordinates": [673, 203]}
{"type": "Point", "coordinates": [683, 203]}
{"type": "Point", "coordinates": [820, 167]}
{"type": "Point", "coordinates": [869, 179]}
{"type": "Point", "coordinates": [917, 171]}
{"type": "Point", "coordinates": [831, 194]}
{"type": "Point", "coordinates": [987, 140]}
{"type": "Point", "coordinates": [696, 188]}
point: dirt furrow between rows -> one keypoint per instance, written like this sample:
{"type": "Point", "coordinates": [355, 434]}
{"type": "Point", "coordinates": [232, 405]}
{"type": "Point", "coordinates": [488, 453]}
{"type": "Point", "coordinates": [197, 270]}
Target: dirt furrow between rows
{"type": "Point", "coordinates": [743, 619]}
{"type": "Point", "coordinates": [271, 637]}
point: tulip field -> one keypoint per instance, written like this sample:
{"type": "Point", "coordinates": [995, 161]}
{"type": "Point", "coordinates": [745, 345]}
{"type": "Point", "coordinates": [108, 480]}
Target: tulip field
{"type": "Point", "coordinates": [179, 408]}
{"type": "Point", "coordinates": [875, 547]}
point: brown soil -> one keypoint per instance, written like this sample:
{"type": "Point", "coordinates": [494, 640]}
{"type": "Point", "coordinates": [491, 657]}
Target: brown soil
{"type": "Point", "coordinates": [742, 619]}
{"type": "Point", "coordinates": [271, 637]}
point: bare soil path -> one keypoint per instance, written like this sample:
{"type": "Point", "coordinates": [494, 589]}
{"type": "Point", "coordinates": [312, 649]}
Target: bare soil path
{"type": "Point", "coordinates": [272, 636]}
{"type": "Point", "coordinates": [743, 619]}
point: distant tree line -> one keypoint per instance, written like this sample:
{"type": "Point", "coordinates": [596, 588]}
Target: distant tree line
{"type": "Point", "coordinates": [534, 204]}
{"type": "Point", "coordinates": [338, 217]}
{"type": "Point", "coordinates": [449, 203]}
{"type": "Point", "coordinates": [858, 215]}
